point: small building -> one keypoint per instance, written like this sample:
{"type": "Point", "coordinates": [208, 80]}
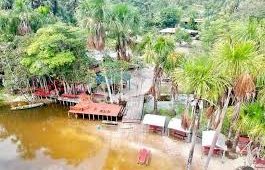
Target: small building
{"type": "Point", "coordinates": [168, 31]}
{"type": "Point", "coordinates": [155, 123]}
{"type": "Point", "coordinates": [175, 129]}
{"type": "Point", "coordinates": [207, 138]}
{"type": "Point", "coordinates": [96, 111]}
{"type": "Point", "coordinates": [193, 33]}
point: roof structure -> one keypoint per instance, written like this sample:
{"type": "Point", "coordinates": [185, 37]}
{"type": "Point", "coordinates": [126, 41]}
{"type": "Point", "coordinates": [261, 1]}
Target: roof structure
{"type": "Point", "coordinates": [175, 124]}
{"type": "Point", "coordinates": [207, 138]}
{"type": "Point", "coordinates": [168, 31]}
{"type": "Point", "coordinates": [102, 109]}
{"type": "Point", "coordinates": [155, 120]}
{"type": "Point", "coordinates": [173, 31]}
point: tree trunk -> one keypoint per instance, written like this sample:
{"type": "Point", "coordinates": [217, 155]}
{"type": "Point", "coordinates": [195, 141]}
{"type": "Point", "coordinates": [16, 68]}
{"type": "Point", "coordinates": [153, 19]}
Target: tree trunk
{"type": "Point", "coordinates": [174, 91]}
{"type": "Point", "coordinates": [217, 131]}
{"type": "Point", "coordinates": [108, 86]}
{"type": "Point", "coordinates": [89, 88]}
{"type": "Point", "coordinates": [155, 84]}
{"type": "Point", "coordinates": [54, 7]}
{"type": "Point", "coordinates": [211, 120]}
{"type": "Point", "coordinates": [216, 119]}
{"type": "Point", "coordinates": [236, 139]}
{"type": "Point", "coordinates": [234, 118]}
{"type": "Point", "coordinates": [64, 87]}
{"type": "Point", "coordinates": [121, 48]}
{"type": "Point", "coordinates": [194, 134]}
{"type": "Point", "coordinates": [55, 87]}
{"type": "Point", "coordinates": [121, 84]}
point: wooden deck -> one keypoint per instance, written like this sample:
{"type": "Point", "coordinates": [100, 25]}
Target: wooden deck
{"type": "Point", "coordinates": [68, 101]}
{"type": "Point", "coordinates": [134, 110]}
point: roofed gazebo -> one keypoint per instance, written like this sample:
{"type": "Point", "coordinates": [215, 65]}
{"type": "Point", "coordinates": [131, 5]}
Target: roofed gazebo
{"type": "Point", "coordinates": [207, 138]}
{"type": "Point", "coordinates": [155, 123]}
{"type": "Point", "coordinates": [176, 130]}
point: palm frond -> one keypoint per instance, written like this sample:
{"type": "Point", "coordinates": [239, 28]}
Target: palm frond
{"type": "Point", "coordinates": [199, 76]}
{"type": "Point", "coordinates": [244, 87]}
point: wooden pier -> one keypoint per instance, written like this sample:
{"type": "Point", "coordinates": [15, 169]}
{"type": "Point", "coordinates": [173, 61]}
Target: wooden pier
{"type": "Point", "coordinates": [96, 111]}
{"type": "Point", "coordinates": [134, 110]}
{"type": "Point", "coordinates": [68, 101]}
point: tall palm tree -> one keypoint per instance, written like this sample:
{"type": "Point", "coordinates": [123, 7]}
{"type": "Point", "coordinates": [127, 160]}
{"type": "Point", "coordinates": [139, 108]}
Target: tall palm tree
{"type": "Point", "coordinates": [92, 14]}
{"type": "Point", "coordinates": [240, 60]}
{"type": "Point", "coordinates": [158, 51]}
{"type": "Point", "coordinates": [123, 24]}
{"type": "Point", "coordinates": [199, 76]}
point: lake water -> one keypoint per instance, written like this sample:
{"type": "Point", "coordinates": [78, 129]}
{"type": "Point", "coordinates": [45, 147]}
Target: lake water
{"type": "Point", "coordinates": [46, 139]}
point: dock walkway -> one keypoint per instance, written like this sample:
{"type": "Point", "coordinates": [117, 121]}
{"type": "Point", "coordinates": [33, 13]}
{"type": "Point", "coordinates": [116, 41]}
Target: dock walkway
{"type": "Point", "coordinates": [134, 110]}
{"type": "Point", "coordinates": [141, 83]}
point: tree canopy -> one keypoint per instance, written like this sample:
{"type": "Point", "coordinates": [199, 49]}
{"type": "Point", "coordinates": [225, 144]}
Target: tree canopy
{"type": "Point", "coordinates": [54, 47]}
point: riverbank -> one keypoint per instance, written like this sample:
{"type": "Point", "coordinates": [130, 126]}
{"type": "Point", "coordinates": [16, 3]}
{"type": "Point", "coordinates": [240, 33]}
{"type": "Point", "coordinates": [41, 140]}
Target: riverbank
{"type": "Point", "coordinates": [116, 146]}
{"type": "Point", "coordinates": [176, 150]}
{"type": "Point", "coordinates": [6, 98]}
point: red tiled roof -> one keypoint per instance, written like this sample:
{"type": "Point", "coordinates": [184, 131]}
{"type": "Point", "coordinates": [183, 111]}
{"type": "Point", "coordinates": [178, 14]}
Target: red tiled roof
{"type": "Point", "coordinates": [96, 109]}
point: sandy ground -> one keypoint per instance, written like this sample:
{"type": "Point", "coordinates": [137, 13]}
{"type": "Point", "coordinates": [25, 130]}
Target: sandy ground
{"type": "Point", "coordinates": [176, 149]}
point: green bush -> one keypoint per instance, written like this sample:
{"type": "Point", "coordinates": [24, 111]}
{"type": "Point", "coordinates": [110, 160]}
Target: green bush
{"type": "Point", "coordinates": [182, 36]}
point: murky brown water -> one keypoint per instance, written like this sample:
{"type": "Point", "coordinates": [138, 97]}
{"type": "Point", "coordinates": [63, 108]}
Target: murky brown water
{"type": "Point", "coordinates": [46, 139]}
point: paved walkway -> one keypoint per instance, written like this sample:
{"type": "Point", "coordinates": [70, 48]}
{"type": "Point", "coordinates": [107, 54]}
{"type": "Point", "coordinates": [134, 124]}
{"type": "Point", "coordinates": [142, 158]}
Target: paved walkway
{"type": "Point", "coordinates": [141, 83]}
{"type": "Point", "coordinates": [134, 110]}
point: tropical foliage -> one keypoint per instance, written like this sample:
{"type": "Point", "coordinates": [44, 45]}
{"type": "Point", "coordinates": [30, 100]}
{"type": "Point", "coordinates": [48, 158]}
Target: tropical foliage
{"type": "Point", "coordinates": [54, 47]}
{"type": "Point", "coordinates": [225, 71]}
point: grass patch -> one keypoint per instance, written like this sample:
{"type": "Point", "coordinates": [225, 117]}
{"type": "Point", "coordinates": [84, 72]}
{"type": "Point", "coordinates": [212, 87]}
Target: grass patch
{"type": "Point", "coordinates": [167, 112]}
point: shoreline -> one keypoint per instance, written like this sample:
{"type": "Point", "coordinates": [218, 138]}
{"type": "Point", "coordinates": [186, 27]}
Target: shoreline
{"type": "Point", "coordinates": [176, 150]}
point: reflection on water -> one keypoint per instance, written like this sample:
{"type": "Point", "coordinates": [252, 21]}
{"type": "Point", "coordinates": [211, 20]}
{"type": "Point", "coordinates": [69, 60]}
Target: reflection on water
{"type": "Point", "coordinates": [44, 138]}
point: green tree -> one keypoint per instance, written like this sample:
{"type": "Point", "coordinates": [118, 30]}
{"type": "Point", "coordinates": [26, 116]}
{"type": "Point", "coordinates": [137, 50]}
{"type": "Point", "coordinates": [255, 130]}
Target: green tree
{"type": "Point", "coordinates": [240, 60]}
{"type": "Point", "coordinates": [92, 14]}
{"type": "Point", "coordinates": [113, 72]}
{"type": "Point", "coordinates": [123, 24]}
{"type": "Point", "coordinates": [170, 17]}
{"type": "Point", "coordinates": [182, 36]}
{"type": "Point", "coordinates": [6, 4]}
{"type": "Point", "coordinates": [53, 47]}
{"type": "Point", "coordinates": [212, 30]}
{"type": "Point", "coordinates": [22, 20]}
{"type": "Point", "coordinates": [199, 77]}
{"type": "Point", "coordinates": [157, 51]}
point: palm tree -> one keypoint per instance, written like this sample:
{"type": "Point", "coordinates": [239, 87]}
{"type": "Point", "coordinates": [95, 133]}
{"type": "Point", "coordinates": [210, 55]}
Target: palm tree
{"type": "Point", "coordinates": [199, 76]}
{"type": "Point", "coordinates": [252, 121]}
{"type": "Point", "coordinates": [123, 24]}
{"type": "Point", "coordinates": [159, 52]}
{"type": "Point", "coordinates": [238, 59]}
{"type": "Point", "coordinates": [92, 15]}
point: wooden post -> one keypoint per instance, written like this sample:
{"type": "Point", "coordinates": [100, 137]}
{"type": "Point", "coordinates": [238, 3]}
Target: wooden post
{"type": "Point", "coordinates": [116, 118]}
{"type": "Point", "coordinates": [93, 117]}
{"type": "Point", "coordinates": [83, 116]}
{"type": "Point", "coordinates": [89, 116]}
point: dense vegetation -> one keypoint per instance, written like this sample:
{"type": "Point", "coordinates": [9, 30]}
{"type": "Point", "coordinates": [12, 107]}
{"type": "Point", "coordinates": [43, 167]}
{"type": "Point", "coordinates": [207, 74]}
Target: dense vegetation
{"type": "Point", "coordinates": [58, 38]}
